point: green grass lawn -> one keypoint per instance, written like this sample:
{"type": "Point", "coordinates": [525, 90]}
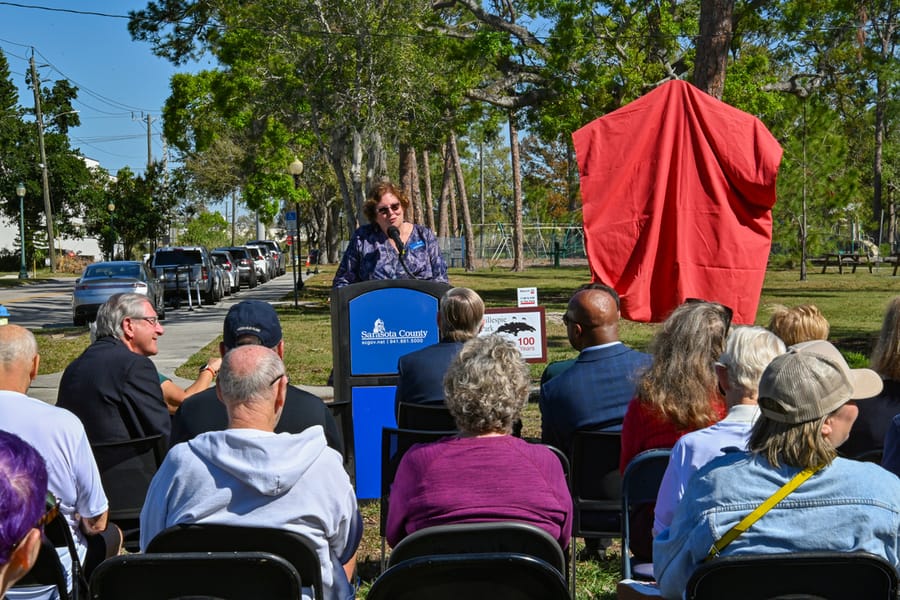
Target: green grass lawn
{"type": "Point", "coordinates": [853, 304]}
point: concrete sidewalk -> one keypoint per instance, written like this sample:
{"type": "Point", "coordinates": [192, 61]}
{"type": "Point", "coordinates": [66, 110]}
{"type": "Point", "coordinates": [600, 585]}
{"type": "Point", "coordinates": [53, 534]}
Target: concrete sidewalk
{"type": "Point", "coordinates": [186, 332]}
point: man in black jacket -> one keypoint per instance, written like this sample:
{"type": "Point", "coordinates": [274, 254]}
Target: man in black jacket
{"type": "Point", "coordinates": [113, 388]}
{"type": "Point", "coordinates": [253, 322]}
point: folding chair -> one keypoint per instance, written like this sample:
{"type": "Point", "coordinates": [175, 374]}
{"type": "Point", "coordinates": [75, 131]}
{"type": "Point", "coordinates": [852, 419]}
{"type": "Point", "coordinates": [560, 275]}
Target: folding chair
{"type": "Point", "coordinates": [289, 545]}
{"type": "Point", "coordinates": [596, 486]}
{"type": "Point", "coordinates": [425, 417]}
{"type": "Point", "coordinates": [126, 469]}
{"type": "Point", "coordinates": [394, 444]}
{"type": "Point", "coordinates": [801, 575]}
{"type": "Point", "coordinates": [211, 575]}
{"type": "Point", "coordinates": [509, 576]}
{"type": "Point", "coordinates": [49, 570]}
{"type": "Point", "coordinates": [640, 485]}
{"type": "Point", "coordinates": [491, 537]}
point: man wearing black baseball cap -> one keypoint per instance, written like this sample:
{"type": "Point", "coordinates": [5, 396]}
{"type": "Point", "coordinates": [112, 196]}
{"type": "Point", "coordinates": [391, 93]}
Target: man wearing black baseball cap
{"type": "Point", "coordinates": [806, 402]}
{"type": "Point", "coordinates": [253, 322]}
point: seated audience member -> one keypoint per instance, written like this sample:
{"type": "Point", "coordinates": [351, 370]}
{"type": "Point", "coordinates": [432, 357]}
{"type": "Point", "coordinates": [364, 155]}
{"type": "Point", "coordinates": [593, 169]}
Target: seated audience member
{"type": "Point", "coordinates": [875, 414]}
{"type": "Point", "coordinates": [173, 394]}
{"type": "Point", "coordinates": [805, 401]}
{"type": "Point", "coordinates": [748, 352]}
{"type": "Point", "coordinates": [249, 476]}
{"type": "Point", "coordinates": [113, 387]}
{"type": "Point", "coordinates": [802, 323]}
{"type": "Point", "coordinates": [247, 323]}
{"type": "Point", "coordinates": [23, 500]}
{"type": "Point", "coordinates": [891, 458]}
{"type": "Point", "coordinates": [59, 436]}
{"type": "Point", "coordinates": [421, 373]}
{"type": "Point", "coordinates": [676, 395]}
{"type": "Point", "coordinates": [483, 473]}
{"type": "Point", "coordinates": [600, 384]}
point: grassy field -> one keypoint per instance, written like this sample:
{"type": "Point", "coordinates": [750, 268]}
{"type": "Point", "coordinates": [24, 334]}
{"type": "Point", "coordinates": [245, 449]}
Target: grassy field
{"type": "Point", "coordinates": [853, 304]}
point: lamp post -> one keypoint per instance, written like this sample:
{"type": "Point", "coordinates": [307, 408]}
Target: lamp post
{"type": "Point", "coordinates": [296, 170]}
{"type": "Point", "coordinates": [112, 245]}
{"type": "Point", "coordinates": [20, 192]}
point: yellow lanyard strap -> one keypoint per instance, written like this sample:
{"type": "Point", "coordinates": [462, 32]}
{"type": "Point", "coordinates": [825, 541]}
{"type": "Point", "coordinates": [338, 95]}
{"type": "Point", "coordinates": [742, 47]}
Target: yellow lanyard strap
{"type": "Point", "coordinates": [762, 509]}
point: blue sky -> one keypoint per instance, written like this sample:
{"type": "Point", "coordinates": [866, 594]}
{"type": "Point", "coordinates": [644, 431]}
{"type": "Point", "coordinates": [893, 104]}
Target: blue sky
{"type": "Point", "coordinates": [120, 81]}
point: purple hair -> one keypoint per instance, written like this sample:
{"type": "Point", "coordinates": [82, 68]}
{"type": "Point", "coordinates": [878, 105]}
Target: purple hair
{"type": "Point", "coordinates": [23, 491]}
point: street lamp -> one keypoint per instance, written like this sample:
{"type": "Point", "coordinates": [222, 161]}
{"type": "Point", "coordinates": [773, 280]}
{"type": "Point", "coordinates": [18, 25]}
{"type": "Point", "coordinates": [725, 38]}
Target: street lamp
{"type": "Point", "coordinates": [296, 170]}
{"type": "Point", "coordinates": [112, 245]}
{"type": "Point", "coordinates": [20, 192]}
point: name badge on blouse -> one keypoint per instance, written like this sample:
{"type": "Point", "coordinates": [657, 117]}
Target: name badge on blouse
{"type": "Point", "coordinates": [416, 244]}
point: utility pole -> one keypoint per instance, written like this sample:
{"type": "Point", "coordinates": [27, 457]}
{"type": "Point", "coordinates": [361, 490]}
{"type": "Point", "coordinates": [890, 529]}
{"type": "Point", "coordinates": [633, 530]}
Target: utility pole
{"type": "Point", "coordinates": [48, 212]}
{"type": "Point", "coordinates": [149, 140]}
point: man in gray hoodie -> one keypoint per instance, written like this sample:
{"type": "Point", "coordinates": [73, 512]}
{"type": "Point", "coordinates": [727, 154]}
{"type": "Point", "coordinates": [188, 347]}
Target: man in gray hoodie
{"type": "Point", "coordinates": [248, 475]}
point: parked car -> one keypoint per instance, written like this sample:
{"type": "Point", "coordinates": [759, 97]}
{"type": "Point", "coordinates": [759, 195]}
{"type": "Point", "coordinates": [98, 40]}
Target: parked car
{"type": "Point", "coordinates": [245, 264]}
{"type": "Point", "coordinates": [271, 260]}
{"type": "Point", "coordinates": [101, 280]}
{"type": "Point", "coordinates": [261, 262]}
{"type": "Point", "coordinates": [275, 248]}
{"type": "Point", "coordinates": [225, 261]}
{"type": "Point", "coordinates": [185, 268]}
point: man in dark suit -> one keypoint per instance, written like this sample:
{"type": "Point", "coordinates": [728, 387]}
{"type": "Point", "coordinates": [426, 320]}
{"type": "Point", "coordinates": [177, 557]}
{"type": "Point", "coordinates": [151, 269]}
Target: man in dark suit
{"type": "Point", "coordinates": [460, 318]}
{"type": "Point", "coordinates": [599, 385]}
{"type": "Point", "coordinates": [113, 388]}
{"type": "Point", "coordinates": [254, 322]}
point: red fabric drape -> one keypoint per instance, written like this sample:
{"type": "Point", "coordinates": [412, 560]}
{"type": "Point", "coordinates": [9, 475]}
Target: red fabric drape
{"type": "Point", "coordinates": [677, 190]}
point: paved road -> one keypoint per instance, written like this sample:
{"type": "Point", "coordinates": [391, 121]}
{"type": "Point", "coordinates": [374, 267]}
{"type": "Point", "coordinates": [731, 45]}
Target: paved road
{"type": "Point", "coordinates": [186, 332]}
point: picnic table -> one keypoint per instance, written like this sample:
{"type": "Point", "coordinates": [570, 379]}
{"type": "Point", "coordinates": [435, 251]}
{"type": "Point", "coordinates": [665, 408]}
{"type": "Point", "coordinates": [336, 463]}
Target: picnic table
{"type": "Point", "coordinates": [849, 259]}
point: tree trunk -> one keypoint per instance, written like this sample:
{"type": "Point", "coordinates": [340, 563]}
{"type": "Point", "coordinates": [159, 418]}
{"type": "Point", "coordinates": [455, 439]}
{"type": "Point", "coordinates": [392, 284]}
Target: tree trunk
{"type": "Point", "coordinates": [407, 158]}
{"type": "Point", "coordinates": [356, 176]}
{"type": "Point", "coordinates": [335, 155]}
{"type": "Point", "coordinates": [376, 163]}
{"type": "Point", "coordinates": [415, 196]}
{"type": "Point", "coordinates": [444, 200]}
{"type": "Point", "coordinates": [428, 204]}
{"type": "Point", "coordinates": [333, 233]}
{"type": "Point", "coordinates": [716, 18]}
{"type": "Point", "coordinates": [464, 204]}
{"type": "Point", "coordinates": [518, 230]}
{"type": "Point", "coordinates": [454, 199]}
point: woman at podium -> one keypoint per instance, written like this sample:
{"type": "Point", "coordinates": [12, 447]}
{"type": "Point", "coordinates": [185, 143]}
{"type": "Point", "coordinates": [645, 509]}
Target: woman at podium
{"type": "Point", "coordinates": [389, 247]}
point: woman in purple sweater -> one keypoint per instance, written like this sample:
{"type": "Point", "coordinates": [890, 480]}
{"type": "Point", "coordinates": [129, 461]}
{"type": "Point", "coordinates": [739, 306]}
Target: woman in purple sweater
{"type": "Point", "coordinates": [484, 473]}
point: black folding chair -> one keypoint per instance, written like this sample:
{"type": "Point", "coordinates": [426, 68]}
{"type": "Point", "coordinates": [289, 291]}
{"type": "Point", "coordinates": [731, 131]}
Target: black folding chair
{"type": "Point", "coordinates": [492, 537]}
{"type": "Point", "coordinates": [596, 485]}
{"type": "Point", "coordinates": [425, 417]}
{"type": "Point", "coordinates": [640, 486]}
{"type": "Point", "coordinates": [289, 545]}
{"type": "Point", "coordinates": [195, 575]}
{"type": "Point", "coordinates": [126, 469]}
{"type": "Point", "coordinates": [489, 576]}
{"type": "Point", "coordinates": [394, 444]}
{"type": "Point", "coordinates": [802, 575]}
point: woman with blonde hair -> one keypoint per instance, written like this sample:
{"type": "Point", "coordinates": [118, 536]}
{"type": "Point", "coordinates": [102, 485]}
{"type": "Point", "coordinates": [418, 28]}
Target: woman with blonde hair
{"type": "Point", "coordinates": [678, 394]}
{"type": "Point", "coordinates": [802, 323]}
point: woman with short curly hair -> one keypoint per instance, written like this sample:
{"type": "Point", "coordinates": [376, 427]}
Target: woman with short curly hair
{"type": "Point", "coordinates": [484, 473]}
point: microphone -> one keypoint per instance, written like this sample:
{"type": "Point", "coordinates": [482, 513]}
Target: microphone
{"type": "Point", "coordinates": [394, 234]}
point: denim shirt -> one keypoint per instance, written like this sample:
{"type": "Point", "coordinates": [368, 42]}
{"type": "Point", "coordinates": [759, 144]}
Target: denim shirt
{"type": "Point", "coordinates": [370, 255]}
{"type": "Point", "coordinates": [848, 506]}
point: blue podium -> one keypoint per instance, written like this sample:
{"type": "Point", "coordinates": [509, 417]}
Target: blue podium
{"type": "Point", "coordinates": [373, 324]}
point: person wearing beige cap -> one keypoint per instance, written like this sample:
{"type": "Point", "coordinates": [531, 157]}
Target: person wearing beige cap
{"type": "Point", "coordinates": [827, 503]}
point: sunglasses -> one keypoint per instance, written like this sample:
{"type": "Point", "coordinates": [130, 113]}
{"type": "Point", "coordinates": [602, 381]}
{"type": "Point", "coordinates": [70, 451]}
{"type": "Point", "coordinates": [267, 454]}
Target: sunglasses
{"type": "Point", "coordinates": [567, 320]}
{"type": "Point", "coordinates": [51, 511]}
{"type": "Point", "coordinates": [386, 210]}
{"type": "Point", "coordinates": [277, 379]}
{"type": "Point", "coordinates": [727, 313]}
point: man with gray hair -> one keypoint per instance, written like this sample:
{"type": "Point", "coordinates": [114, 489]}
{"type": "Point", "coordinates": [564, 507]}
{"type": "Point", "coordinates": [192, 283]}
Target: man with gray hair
{"type": "Point", "coordinates": [830, 504]}
{"type": "Point", "coordinates": [748, 351]}
{"type": "Point", "coordinates": [112, 386]}
{"type": "Point", "coordinates": [59, 436]}
{"type": "Point", "coordinates": [421, 373]}
{"type": "Point", "coordinates": [250, 476]}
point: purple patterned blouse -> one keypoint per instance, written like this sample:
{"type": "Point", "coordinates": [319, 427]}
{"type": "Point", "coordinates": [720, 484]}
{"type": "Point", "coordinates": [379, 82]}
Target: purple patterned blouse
{"type": "Point", "coordinates": [370, 255]}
